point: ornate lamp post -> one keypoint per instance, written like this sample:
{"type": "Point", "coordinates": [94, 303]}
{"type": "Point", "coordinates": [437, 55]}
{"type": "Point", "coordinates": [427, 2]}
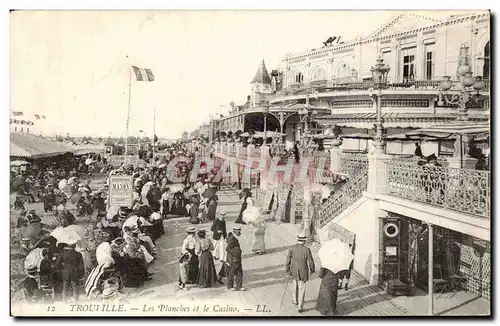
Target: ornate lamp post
{"type": "Point", "coordinates": [379, 76]}
{"type": "Point", "coordinates": [266, 112]}
{"type": "Point", "coordinates": [306, 115]}
{"type": "Point", "coordinates": [467, 85]}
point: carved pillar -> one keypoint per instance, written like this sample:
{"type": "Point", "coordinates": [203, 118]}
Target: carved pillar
{"type": "Point", "coordinates": [377, 179]}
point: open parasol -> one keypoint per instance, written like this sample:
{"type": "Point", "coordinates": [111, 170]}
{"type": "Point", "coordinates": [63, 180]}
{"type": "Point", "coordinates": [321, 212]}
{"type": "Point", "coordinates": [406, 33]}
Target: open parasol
{"type": "Point", "coordinates": [252, 215]}
{"type": "Point", "coordinates": [176, 187]}
{"type": "Point", "coordinates": [18, 163]}
{"type": "Point", "coordinates": [335, 255]}
{"type": "Point", "coordinates": [62, 184]}
{"type": "Point", "coordinates": [65, 235]}
{"type": "Point", "coordinates": [88, 161]}
{"type": "Point", "coordinates": [112, 211]}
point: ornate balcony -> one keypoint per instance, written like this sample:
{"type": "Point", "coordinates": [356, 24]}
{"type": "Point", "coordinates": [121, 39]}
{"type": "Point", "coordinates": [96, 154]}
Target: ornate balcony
{"type": "Point", "coordinates": [466, 191]}
{"type": "Point", "coordinates": [361, 85]}
{"type": "Point", "coordinates": [352, 164]}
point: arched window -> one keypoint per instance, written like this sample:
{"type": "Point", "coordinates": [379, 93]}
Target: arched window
{"type": "Point", "coordinates": [299, 78]}
{"type": "Point", "coordinates": [319, 74]}
{"type": "Point", "coordinates": [486, 66]}
{"type": "Point", "coordinates": [343, 70]}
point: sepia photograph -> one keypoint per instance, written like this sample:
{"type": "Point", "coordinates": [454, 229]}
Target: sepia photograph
{"type": "Point", "coordinates": [250, 163]}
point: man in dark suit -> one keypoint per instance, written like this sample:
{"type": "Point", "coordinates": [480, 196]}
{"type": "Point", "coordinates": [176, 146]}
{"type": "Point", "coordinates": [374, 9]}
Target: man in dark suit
{"type": "Point", "coordinates": [235, 272]}
{"type": "Point", "coordinates": [299, 263]}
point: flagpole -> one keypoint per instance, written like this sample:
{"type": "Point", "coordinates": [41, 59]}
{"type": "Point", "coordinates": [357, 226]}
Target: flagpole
{"type": "Point", "coordinates": [154, 134]}
{"type": "Point", "coordinates": [128, 113]}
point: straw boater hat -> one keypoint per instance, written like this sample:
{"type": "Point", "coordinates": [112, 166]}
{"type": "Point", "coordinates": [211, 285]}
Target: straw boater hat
{"type": "Point", "coordinates": [190, 229]}
{"type": "Point", "coordinates": [301, 237]}
{"type": "Point", "coordinates": [236, 229]}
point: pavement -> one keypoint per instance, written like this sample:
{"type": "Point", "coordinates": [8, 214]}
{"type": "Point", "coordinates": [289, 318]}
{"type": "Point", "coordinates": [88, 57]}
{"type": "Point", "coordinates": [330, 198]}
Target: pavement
{"type": "Point", "coordinates": [268, 292]}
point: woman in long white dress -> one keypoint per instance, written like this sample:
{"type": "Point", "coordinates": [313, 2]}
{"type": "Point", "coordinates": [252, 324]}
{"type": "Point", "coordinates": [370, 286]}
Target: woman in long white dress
{"type": "Point", "coordinates": [252, 217]}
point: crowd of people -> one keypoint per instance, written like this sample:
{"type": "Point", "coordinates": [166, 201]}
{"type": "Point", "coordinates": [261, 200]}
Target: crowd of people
{"type": "Point", "coordinates": [62, 262]}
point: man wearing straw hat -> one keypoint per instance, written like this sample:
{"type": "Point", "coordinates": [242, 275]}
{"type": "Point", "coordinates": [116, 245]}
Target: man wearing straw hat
{"type": "Point", "coordinates": [299, 263]}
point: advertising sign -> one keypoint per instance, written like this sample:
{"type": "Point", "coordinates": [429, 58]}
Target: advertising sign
{"type": "Point", "coordinates": [120, 191]}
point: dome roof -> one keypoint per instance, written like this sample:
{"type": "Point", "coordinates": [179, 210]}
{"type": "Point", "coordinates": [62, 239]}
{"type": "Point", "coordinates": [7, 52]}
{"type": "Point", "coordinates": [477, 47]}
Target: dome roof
{"type": "Point", "coordinates": [262, 76]}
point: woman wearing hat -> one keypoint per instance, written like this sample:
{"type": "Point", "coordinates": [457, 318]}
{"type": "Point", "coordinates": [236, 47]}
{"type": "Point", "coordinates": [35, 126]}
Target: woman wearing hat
{"type": "Point", "coordinates": [190, 245]}
{"type": "Point", "coordinates": [219, 235]}
{"type": "Point", "coordinates": [207, 275]}
{"type": "Point", "coordinates": [195, 205]}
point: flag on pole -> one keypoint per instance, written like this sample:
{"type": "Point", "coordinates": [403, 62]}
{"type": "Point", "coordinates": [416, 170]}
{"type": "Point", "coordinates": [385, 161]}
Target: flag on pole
{"type": "Point", "coordinates": [17, 113]}
{"type": "Point", "coordinates": [143, 74]}
{"type": "Point", "coordinates": [37, 116]}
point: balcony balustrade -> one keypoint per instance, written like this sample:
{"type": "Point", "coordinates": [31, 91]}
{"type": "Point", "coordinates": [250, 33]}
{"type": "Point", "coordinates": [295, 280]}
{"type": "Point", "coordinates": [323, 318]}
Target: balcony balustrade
{"type": "Point", "coordinates": [463, 190]}
{"type": "Point", "coordinates": [351, 164]}
{"type": "Point", "coordinates": [360, 85]}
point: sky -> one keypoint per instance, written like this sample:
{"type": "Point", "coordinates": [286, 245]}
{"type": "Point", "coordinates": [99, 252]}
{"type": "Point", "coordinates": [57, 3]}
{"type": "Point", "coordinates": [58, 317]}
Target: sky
{"type": "Point", "coordinates": [72, 66]}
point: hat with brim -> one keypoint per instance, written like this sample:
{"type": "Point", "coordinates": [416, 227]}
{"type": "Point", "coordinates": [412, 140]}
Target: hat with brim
{"type": "Point", "coordinates": [236, 229]}
{"type": "Point", "coordinates": [301, 238]}
{"type": "Point", "coordinates": [190, 229]}
{"type": "Point", "coordinates": [202, 232]}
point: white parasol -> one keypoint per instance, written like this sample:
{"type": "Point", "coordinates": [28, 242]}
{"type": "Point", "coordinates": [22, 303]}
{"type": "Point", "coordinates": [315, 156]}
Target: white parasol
{"type": "Point", "coordinates": [112, 211]}
{"type": "Point", "coordinates": [65, 235]}
{"type": "Point", "coordinates": [176, 187]}
{"type": "Point", "coordinates": [62, 184]}
{"type": "Point", "coordinates": [131, 222]}
{"type": "Point", "coordinates": [72, 180]}
{"type": "Point", "coordinates": [335, 255]}
{"type": "Point", "coordinates": [252, 215]}
{"type": "Point", "coordinates": [323, 190]}
{"type": "Point", "coordinates": [18, 163]}
{"type": "Point", "coordinates": [88, 161]}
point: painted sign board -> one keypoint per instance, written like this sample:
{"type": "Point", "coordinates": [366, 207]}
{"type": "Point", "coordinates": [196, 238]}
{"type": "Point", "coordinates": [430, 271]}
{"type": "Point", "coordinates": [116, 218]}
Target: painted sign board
{"type": "Point", "coordinates": [120, 191]}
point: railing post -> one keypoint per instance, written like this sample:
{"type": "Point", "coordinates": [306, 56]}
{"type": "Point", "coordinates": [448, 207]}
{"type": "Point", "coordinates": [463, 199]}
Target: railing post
{"type": "Point", "coordinates": [377, 178]}
{"type": "Point", "coordinates": [250, 150]}
{"type": "Point", "coordinates": [335, 153]}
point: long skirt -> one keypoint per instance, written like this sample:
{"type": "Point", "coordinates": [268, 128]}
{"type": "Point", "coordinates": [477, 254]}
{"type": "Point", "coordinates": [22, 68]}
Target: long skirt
{"type": "Point", "coordinates": [220, 249]}
{"type": "Point", "coordinates": [239, 220]}
{"type": "Point", "coordinates": [166, 208]}
{"type": "Point", "coordinates": [328, 293]}
{"type": "Point", "coordinates": [212, 209]}
{"type": "Point", "coordinates": [194, 215]}
{"type": "Point", "coordinates": [207, 276]}
{"type": "Point", "coordinates": [194, 268]}
{"type": "Point", "coordinates": [259, 233]}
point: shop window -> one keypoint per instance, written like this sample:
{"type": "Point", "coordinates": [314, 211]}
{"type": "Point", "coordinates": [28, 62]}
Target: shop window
{"type": "Point", "coordinates": [429, 61]}
{"type": "Point", "coordinates": [319, 74]}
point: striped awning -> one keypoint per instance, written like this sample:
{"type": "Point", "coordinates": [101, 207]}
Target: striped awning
{"type": "Point", "coordinates": [449, 130]}
{"type": "Point", "coordinates": [31, 146]}
{"type": "Point", "coordinates": [393, 116]}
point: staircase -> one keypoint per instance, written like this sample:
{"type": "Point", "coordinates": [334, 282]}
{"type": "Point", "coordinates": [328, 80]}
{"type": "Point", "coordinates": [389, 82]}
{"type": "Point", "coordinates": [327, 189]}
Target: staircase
{"type": "Point", "coordinates": [346, 195]}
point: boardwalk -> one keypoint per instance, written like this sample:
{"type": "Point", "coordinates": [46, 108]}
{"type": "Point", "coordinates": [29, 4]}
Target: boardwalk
{"type": "Point", "coordinates": [263, 276]}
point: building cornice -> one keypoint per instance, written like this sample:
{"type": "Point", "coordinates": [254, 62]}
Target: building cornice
{"type": "Point", "coordinates": [336, 49]}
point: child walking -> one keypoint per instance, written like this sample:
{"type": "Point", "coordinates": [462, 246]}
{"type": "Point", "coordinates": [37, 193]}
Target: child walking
{"type": "Point", "coordinates": [184, 270]}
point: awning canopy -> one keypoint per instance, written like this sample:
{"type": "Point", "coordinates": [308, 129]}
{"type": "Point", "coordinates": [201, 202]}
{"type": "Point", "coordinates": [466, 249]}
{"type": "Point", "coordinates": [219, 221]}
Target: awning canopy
{"type": "Point", "coordinates": [31, 146]}
{"type": "Point", "coordinates": [358, 135]}
{"type": "Point", "coordinates": [449, 130]}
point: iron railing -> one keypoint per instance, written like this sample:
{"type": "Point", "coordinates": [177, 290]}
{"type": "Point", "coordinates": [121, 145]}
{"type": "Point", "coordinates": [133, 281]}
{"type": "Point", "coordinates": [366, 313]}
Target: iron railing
{"type": "Point", "coordinates": [352, 164]}
{"type": "Point", "coordinates": [463, 190]}
{"type": "Point", "coordinates": [347, 195]}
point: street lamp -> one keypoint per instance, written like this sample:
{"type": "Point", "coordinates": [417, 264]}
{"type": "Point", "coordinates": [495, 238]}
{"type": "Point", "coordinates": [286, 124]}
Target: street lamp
{"type": "Point", "coordinates": [266, 112]}
{"type": "Point", "coordinates": [468, 84]}
{"type": "Point", "coordinates": [379, 75]}
{"type": "Point", "coordinates": [306, 115]}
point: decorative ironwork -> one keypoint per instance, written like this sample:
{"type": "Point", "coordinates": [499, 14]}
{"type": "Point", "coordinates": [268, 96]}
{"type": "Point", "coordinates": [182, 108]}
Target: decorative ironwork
{"type": "Point", "coordinates": [347, 195]}
{"type": "Point", "coordinates": [462, 190]}
{"type": "Point", "coordinates": [352, 104]}
{"type": "Point", "coordinates": [352, 164]}
{"type": "Point", "coordinates": [405, 103]}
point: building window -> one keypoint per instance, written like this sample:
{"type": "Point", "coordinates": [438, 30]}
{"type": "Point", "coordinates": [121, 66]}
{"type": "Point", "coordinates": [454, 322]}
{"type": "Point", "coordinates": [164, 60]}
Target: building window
{"type": "Point", "coordinates": [409, 64]}
{"type": "Point", "coordinates": [409, 67]}
{"type": "Point", "coordinates": [299, 78]}
{"type": "Point", "coordinates": [486, 66]}
{"type": "Point", "coordinates": [429, 65]}
{"type": "Point", "coordinates": [319, 74]}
